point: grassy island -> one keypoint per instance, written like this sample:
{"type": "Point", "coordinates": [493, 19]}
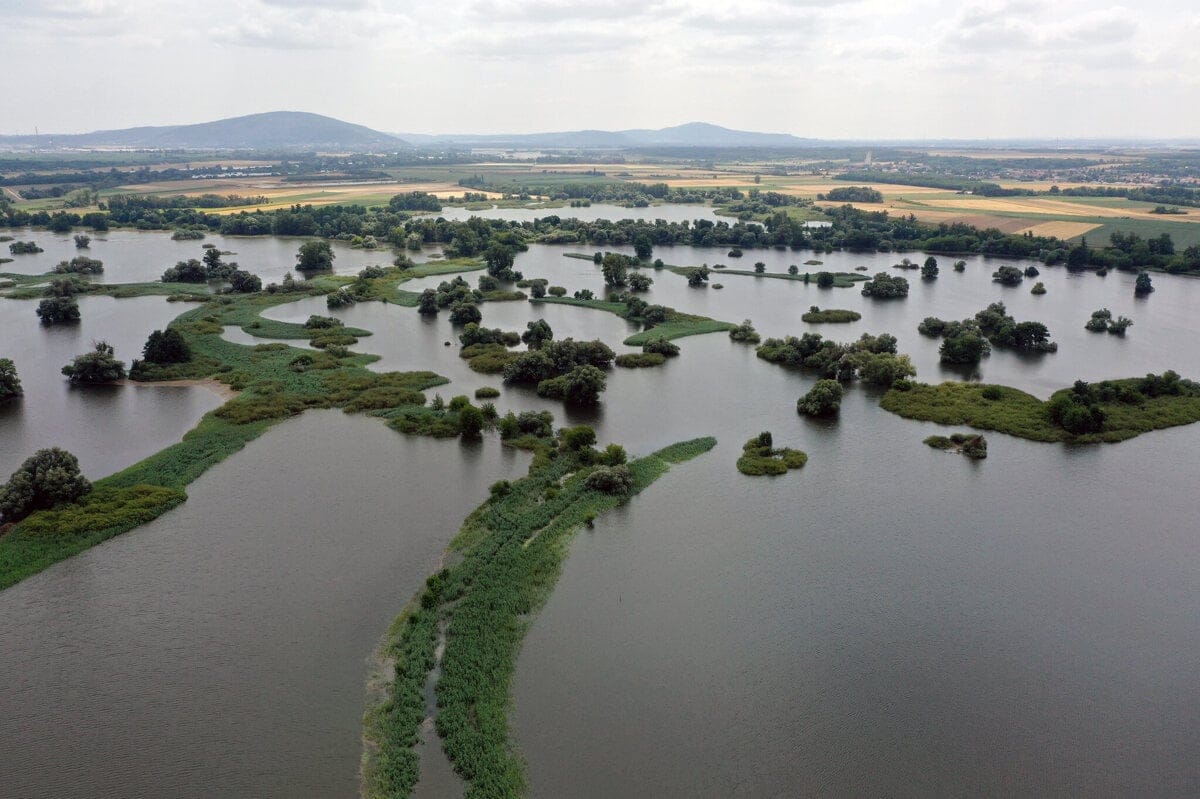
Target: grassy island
{"type": "Point", "coordinates": [1112, 410]}
{"type": "Point", "coordinates": [759, 458]}
{"type": "Point", "coordinates": [510, 551]}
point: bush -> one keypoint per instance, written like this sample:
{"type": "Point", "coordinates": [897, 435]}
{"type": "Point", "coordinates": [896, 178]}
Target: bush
{"type": "Point", "coordinates": [322, 322]}
{"type": "Point", "coordinates": [95, 367]}
{"type": "Point", "coordinates": [578, 438]}
{"type": "Point", "coordinates": [1038, 288]}
{"type": "Point", "coordinates": [189, 271]}
{"type": "Point", "coordinates": [610, 479]}
{"type": "Point", "coordinates": [823, 399]}
{"type": "Point", "coordinates": [833, 315]}
{"type": "Point", "coordinates": [661, 346]}
{"type": "Point", "coordinates": [745, 333]}
{"type": "Point", "coordinates": [58, 311]}
{"type": "Point", "coordinates": [580, 386]}
{"type": "Point", "coordinates": [825, 280]}
{"type": "Point", "coordinates": [49, 477]}
{"type": "Point", "coordinates": [80, 265]}
{"type": "Point", "coordinates": [486, 392]}
{"type": "Point", "coordinates": [536, 334]}
{"type": "Point", "coordinates": [557, 291]}
{"type": "Point", "coordinates": [758, 458]}
{"type": "Point", "coordinates": [243, 282]}
{"type": "Point", "coordinates": [929, 270]}
{"type": "Point", "coordinates": [1143, 285]}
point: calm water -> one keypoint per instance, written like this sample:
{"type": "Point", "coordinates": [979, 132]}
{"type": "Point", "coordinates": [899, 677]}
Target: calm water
{"type": "Point", "coordinates": [134, 256]}
{"type": "Point", "coordinates": [106, 427]}
{"type": "Point", "coordinates": [892, 620]}
{"type": "Point", "coordinates": [222, 649]}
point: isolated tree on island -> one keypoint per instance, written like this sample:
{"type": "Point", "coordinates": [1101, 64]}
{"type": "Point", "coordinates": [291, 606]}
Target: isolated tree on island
{"type": "Point", "coordinates": [929, 270]}
{"type": "Point", "coordinates": [537, 334]}
{"type": "Point", "coordinates": [49, 477]}
{"type": "Point", "coordinates": [427, 305]}
{"type": "Point", "coordinates": [1143, 284]}
{"type": "Point", "coordinates": [314, 256]}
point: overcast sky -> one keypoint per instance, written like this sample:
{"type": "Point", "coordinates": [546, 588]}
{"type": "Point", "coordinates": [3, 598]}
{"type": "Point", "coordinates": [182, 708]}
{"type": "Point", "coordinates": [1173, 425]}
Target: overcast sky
{"type": "Point", "coordinates": [821, 68]}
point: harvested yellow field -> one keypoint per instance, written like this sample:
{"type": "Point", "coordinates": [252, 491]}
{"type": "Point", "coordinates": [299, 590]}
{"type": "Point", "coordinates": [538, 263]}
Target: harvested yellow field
{"type": "Point", "coordinates": [1049, 207]}
{"type": "Point", "coordinates": [1062, 230]}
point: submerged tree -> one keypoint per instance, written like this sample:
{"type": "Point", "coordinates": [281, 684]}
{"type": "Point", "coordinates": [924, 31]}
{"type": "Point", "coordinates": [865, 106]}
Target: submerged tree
{"type": "Point", "coordinates": [166, 346]}
{"type": "Point", "coordinates": [58, 310]}
{"type": "Point", "coordinates": [10, 384]}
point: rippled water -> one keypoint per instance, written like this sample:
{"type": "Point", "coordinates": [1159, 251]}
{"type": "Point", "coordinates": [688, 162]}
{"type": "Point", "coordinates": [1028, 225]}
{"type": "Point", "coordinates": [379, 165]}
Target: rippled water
{"type": "Point", "coordinates": [891, 620]}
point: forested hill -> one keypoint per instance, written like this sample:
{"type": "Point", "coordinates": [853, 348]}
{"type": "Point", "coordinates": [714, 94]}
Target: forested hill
{"type": "Point", "coordinates": [273, 130]}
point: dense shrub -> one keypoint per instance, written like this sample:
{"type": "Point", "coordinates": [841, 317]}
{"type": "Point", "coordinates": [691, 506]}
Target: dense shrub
{"type": "Point", "coordinates": [95, 367]}
{"type": "Point", "coordinates": [80, 265]}
{"type": "Point", "coordinates": [884, 286]}
{"type": "Point", "coordinates": [610, 479]}
{"type": "Point", "coordinates": [640, 360]}
{"type": "Point", "coordinates": [835, 315]}
{"type": "Point", "coordinates": [1007, 276]}
{"type": "Point", "coordinates": [661, 346]}
{"type": "Point", "coordinates": [823, 399]}
{"type": "Point", "coordinates": [314, 256]}
{"type": "Point", "coordinates": [745, 333]}
{"type": "Point", "coordinates": [189, 271]}
{"type": "Point", "coordinates": [486, 392]}
{"type": "Point", "coordinates": [580, 386]}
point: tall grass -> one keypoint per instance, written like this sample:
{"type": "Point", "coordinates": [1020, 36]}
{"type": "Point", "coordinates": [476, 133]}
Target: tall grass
{"type": "Point", "coordinates": [512, 548]}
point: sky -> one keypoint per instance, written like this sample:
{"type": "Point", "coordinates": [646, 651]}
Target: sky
{"type": "Point", "coordinates": [884, 69]}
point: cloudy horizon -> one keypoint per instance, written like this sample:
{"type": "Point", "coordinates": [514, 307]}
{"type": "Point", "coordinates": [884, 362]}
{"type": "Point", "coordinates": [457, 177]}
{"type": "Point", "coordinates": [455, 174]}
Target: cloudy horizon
{"type": "Point", "coordinates": [838, 69]}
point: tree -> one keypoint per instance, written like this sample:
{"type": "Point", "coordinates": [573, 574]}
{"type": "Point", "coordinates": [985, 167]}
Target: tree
{"type": "Point", "coordinates": [427, 305]}
{"type": "Point", "coordinates": [82, 241]}
{"type": "Point", "coordinates": [536, 334]}
{"type": "Point", "coordinates": [166, 346]}
{"type": "Point", "coordinates": [189, 271]}
{"type": "Point", "coordinates": [698, 276]}
{"type": "Point", "coordinates": [793, 270]}
{"type": "Point", "coordinates": [643, 247]}
{"type": "Point", "coordinates": [929, 270]}
{"type": "Point", "coordinates": [610, 479]}
{"type": "Point", "coordinates": [579, 438]}
{"type": "Point", "coordinates": [825, 280]}
{"type": "Point", "coordinates": [10, 384]}
{"type": "Point", "coordinates": [212, 262]}
{"type": "Point", "coordinates": [1143, 285]}
{"type": "Point", "coordinates": [1007, 276]}
{"type": "Point", "coordinates": [58, 311]}
{"type": "Point", "coordinates": [965, 347]}
{"type": "Point", "coordinates": [823, 399]}
{"type": "Point", "coordinates": [314, 256]}
{"type": "Point", "coordinates": [537, 289]}
{"type": "Point", "coordinates": [48, 478]}
{"type": "Point", "coordinates": [499, 260]}
{"type": "Point", "coordinates": [95, 367]}
{"type": "Point", "coordinates": [759, 267]}
{"type": "Point", "coordinates": [613, 267]}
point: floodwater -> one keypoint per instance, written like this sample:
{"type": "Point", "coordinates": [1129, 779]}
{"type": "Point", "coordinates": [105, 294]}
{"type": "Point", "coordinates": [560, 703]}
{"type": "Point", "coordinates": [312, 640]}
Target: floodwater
{"type": "Point", "coordinates": [890, 620]}
{"type": "Point", "coordinates": [137, 256]}
{"type": "Point", "coordinates": [222, 649]}
{"type": "Point", "coordinates": [106, 427]}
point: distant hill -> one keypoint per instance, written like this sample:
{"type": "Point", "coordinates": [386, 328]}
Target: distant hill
{"type": "Point", "coordinates": [270, 131]}
{"type": "Point", "coordinates": [692, 134]}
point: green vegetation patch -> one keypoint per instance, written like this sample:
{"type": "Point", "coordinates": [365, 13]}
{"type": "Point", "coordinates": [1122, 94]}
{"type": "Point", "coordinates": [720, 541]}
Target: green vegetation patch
{"type": "Point", "coordinates": [512, 550]}
{"type": "Point", "coordinates": [676, 324]}
{"type": "Point", "coordinates": [759, 458]}
{"type": "Point", "coordinates": [1110, 411]}
{"type": "Point", "coordinates": [973, 445]}
{"type": "Point", "coordinates": [830, 315]}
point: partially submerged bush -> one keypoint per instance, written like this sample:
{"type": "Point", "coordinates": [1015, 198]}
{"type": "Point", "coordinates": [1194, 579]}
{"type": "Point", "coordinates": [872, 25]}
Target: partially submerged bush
{"type": "Point", "coordinates": [610, 479]}
{"type": "Point", "coordinates": [95, 367]}
{"type": "Point", "coordinates": [823, 399]}
{"type": "Point", "coordinates": [758, 458]}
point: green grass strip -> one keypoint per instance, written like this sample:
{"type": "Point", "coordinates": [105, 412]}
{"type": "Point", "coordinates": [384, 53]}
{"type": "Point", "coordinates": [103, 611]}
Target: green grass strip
{"type": "Point", "coordinates": [512, 548]}
{"type": "Point", "coordinates": [678, 324]}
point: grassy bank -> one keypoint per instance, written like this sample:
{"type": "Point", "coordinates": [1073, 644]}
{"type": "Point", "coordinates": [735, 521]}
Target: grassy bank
{"type": "Point", "coordinates": [678, 324]}
{"type": "Point", "coordinates": [276, 381]}
{"type": "Point", "coordinates": [512, 548]}
{"type": "Point", "coordinates": [1009, 410]}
